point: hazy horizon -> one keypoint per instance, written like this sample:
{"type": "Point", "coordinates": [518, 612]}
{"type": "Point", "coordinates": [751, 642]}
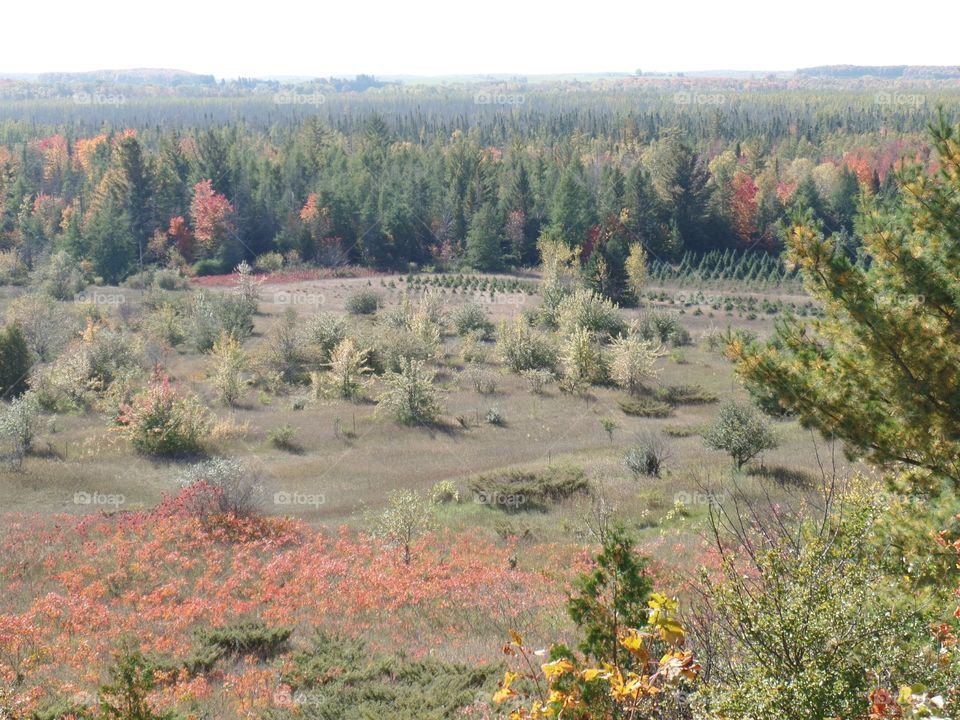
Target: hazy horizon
{"type": "Point", "coordinates": [437, 40]}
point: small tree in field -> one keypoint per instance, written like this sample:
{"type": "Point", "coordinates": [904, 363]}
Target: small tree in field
{"type": "Point", "coordinates": [407, 517]}
{"type": "Point", "coordinates": [18, 428]}
{"type": "Point", "coordinates": [229, 362]}
{"type": "Point", "coordinates": [611, 598]}
{"type": "Point", "coordinates": [410, 395]}
{"type": "Point", "coordinates": [348, 365]}
{"type": "Point", "coordinates": [636, 268]}
{"type": "Point", "coordinates": [741, 431]}
{"type": "Point", "coordinates": [581, 360]}
{"type": "Point", "coordinates": [632, 361]}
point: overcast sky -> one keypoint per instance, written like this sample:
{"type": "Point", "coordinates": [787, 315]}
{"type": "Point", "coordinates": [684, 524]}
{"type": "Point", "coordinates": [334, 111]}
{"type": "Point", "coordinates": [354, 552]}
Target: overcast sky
{"type": "Point", "coordinates": [441, 37]}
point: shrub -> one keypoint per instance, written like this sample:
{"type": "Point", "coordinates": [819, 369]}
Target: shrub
{"type": "Point", "coordinates": [209, 266]}
{"type": "Point", "coordinates": [821, 599]}
{"type": "Point", "coordinates": [110, 354]}
{"type": "Point", "coordinates": [581, 361]}
{"type": "Point", "coordinates": [166, 324]}
{"type": "Point", "coordinates": [162, 421]}
{"type": "Point", "coordinates": [348, 366]}
{"type": "Point", "coordinates": [741, 431]}
{"type": "Point", "coordinates": [684, 395]}
{"type": "Point", "coordinates": [537, 379]}
{"type": "Point", "coordinates": [212, 314]}
{"type": "Point", "coordinates": [282, 353]}
{"type": "Point", "coordinates": [44, 324]}
{"type": "Point", "coordinates": [444, 492]}
{"type": "Point", "coordinates": [247, 638]}
{"type": "Point", "coordinates": [283, 437]}
{"type": "Point", "coordinates": [270, 262]}
{"type": "Point", "coordinates": [483, 380]}
{"type": "Point", "coordinates": [523, 348]}
{"type": "Point", "coordinates": [170, 279]}
{"type": "Point", "coordinates": [406, 517]}
{"type": "Point", "coordinates": [59, 277]}
{"type": "Point", "coordinates": [15, 362]}
{"type": "Point", "coordinates": [229, 362]}
{"type": "Point", "coordinates": [369, 684]}
{"type": "Point", "coordinates": [132, 680]}
{"type": "Point", "coordinates": [235, 487]}
{"type": "Point", "coordinates": [647, 455]}
{"type": "Point", "coordinates": [645, 407]}
{"type": "Point", "coordinates": [322, 333]}
{"type": "Point", "coordinates": [388, 349]}
{"type": "Point", "coordinates": [364, 302]}
{"type": "Point", "coordinates": [632, 361]}
{"type": "Point", "coordinates": [589, 310]}
{"type": "Point", "coordinates": [410, 395]}
{"type": "Point", "coordinates": [18, 427]}
{"type": "Point", "coordinates": [63, 385]}
{"type": "Point", "coordinates": [680, 337]}
{"type": "Point", "coordinates": [247, 287]}
{"type": "Point", "coordinates": [517, 490]}
{"type": "Point", "coordinates": [493, 416]}
{"type": "Point", "coordinates": [12, 269]}
{"type": "Point", "coordinates": [660, 326]}
{"type": "Point", "coordinates": [471, 349]}
{"type": "Point", "coordinates": [470, 317]}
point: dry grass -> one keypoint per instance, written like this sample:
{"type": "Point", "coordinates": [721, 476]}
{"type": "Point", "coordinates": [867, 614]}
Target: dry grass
{"type": "Point", "coordinates": [354, 458]}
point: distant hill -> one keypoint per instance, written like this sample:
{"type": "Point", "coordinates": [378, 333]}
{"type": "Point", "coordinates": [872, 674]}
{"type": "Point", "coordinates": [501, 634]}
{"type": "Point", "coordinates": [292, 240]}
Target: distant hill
{"type": "Point", "coordinates": [889, 72]}
{"type": "Point", "coordinates": [135, 76]}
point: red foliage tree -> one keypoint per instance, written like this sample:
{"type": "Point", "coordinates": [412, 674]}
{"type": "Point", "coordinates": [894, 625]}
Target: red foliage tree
{"type": "Point", "coordinates": [212, 216]}
{"type": "Point", "coordinates": [743, 206]}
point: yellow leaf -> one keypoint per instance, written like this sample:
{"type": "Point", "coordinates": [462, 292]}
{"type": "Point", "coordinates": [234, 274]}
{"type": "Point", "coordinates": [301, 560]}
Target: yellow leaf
{"type": "Point", "coordinates": [557, 668]}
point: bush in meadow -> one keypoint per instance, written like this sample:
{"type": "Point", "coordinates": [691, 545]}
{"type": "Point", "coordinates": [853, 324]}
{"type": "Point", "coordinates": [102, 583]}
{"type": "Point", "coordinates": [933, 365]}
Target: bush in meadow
{"type": "Point", "coordinates": [590, 310]}
{"type": "Point", "coordinates": [19, 422]}
{"type": "Point", "coordinates": [523, 348]}
{"type": "Point", "coordinates": [633, 361]}
{"type": "Point", "coordinates": [162, 421]}
{"type": "Point", "coordinates": [470, 317]}
{"type": "Point", "coordinates": [364, 302]}
{"type": "Point", "coordinates": [228, 363]}
{"type": "Point", "coordinates": [235, 486]}
{"type": "Point", "coordinates": [741, 431]}
{"type": "Point", "coordinates": [411, 397]}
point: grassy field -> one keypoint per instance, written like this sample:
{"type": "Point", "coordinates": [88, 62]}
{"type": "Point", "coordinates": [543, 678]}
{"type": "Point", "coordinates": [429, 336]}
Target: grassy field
{"type": "Point", "coordinates": [480, 569]}
{"type": "Point", "coordinates": [353, 456]}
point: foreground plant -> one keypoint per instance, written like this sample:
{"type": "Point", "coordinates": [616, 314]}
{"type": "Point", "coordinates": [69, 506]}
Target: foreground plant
{"type": "Point", "coordinates": [572, 687]}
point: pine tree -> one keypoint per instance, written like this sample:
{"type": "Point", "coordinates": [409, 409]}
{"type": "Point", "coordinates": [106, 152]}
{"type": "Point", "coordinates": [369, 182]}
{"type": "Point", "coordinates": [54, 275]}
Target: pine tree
{"type": "Point", "coordinates": [881, 369]}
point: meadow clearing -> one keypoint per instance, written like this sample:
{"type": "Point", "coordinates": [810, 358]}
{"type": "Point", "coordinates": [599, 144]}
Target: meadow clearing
{"type": "Point", "coordinates": [516, 480]}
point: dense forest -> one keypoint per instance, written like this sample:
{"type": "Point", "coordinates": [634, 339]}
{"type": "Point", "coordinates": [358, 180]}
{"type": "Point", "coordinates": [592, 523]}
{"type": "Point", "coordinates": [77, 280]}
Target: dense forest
{"type": "Point", "coordinates": [201, 176]}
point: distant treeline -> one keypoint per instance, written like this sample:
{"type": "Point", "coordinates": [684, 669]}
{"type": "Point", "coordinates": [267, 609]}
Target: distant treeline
{"type": "Point", "coordinates": [465, 176]}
